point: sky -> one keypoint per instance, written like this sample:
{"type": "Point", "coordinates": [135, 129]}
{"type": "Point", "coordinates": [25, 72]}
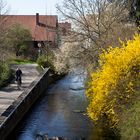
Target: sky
{"type": "Point", "coordinates": [31, 7]}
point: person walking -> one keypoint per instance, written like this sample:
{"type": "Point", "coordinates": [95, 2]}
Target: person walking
{"type": "Point", "coordinates": [18, 77]}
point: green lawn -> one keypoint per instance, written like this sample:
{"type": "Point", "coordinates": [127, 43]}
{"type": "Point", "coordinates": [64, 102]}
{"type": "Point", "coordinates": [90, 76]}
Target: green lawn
{"type": "Point", "coordinates": [21, 61]}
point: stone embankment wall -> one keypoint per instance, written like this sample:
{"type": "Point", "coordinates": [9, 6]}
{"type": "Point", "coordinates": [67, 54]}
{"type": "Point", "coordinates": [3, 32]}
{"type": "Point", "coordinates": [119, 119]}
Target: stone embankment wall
{"type": "Point", "coordinates": [24, 102]}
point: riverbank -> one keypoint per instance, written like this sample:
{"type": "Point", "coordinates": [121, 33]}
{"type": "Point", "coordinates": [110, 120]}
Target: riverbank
{"type": "Point", "coordinates": [60, 112]}
{"type": "Point", "coordinates": [10, 96]}
{"type": "Point", "coordinates": [10, 93]}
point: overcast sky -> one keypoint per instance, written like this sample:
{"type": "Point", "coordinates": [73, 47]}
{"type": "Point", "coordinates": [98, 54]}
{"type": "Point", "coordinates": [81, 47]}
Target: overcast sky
{"type": "Point", "coordinates": [31, 7]}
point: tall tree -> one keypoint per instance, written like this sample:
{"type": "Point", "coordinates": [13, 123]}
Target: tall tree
{"type": "Point", "coordinates": [96, 25]}
{"type": "Point", "coordinates": [16, 38]}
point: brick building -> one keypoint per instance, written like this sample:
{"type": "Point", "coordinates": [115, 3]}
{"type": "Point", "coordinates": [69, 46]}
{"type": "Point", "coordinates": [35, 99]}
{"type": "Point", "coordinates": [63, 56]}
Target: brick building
{"type": "Point", "coordinates": [64, 27]}
{"type": "Point", "coordinates": [43, 28]}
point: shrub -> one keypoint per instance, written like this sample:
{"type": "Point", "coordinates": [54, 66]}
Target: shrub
{"type": "Point", "coordinates": [23, 49]}
{"type": "Point", "coordinates": [42, 61]}
{"type": "Point", "coordinates": [5, 74]}
{"type": "Point", "coordinates": [113, 87]}
{"type": "Point", "coordinates": [16, 37]}
{"type": "Point", "coordinates": [130, 125]}
{"type": "Point", "coordinates": [45, 61]}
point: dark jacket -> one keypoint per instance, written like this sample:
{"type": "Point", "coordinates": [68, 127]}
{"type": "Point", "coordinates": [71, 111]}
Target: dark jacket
{"type": "Point", "coordinates": [18, 73]}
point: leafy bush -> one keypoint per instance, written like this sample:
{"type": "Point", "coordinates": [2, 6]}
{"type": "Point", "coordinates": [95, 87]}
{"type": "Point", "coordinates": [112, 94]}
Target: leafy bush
{"type": "Point", "coordinates": [23, 49]}
{"type": "Point", "coordinates": [45, 61]}
{"type": "Point", "coordinates": [42, 61]}
{"type": "Point", "coordinates": [113, 87]}
{"type": "Point", "coordinates": [130, 125]}
{"type": "Point", "coordinates": [5, 74]}
{"type": "Point", "coordinates": [16, 37]}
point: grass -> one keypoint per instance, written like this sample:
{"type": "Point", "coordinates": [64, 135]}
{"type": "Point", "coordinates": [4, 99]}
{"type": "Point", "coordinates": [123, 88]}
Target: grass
{"type": "Point", "coordinates": [21, 61]}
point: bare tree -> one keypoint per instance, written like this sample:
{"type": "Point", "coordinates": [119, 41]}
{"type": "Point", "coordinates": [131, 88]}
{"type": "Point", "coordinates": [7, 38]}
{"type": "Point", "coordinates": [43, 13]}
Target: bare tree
{"type": "Point", "coordinates": [97, 24]}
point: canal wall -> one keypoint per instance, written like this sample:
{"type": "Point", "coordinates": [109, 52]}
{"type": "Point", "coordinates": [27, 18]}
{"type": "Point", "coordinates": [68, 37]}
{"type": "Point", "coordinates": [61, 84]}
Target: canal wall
{"type": "Point", "coordinates": [19, 108]}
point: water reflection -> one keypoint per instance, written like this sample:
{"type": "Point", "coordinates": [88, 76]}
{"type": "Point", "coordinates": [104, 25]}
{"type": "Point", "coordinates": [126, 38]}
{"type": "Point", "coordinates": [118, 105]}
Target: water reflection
{"type": "Point", "coordinates": [61, 112]}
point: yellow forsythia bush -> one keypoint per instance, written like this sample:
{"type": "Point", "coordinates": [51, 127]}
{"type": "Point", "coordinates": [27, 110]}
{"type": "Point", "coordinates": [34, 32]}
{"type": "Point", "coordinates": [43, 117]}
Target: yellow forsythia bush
{"type": "Point", "coordinates": [114, 86]}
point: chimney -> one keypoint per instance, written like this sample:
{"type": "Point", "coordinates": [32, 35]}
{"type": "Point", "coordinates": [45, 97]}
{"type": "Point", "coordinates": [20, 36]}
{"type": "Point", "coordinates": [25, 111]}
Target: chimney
{"type": "Point", "coordinates": [37, 18]}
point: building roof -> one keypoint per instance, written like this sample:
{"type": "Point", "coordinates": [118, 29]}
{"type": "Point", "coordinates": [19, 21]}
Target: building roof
{"type": "Point", "coordinates": [65, 27]}
{"type": "Point", "coordinates": [41, 31]}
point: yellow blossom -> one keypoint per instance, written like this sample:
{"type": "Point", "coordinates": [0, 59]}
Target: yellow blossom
{"type": "Point", "coordinates": [113, 86]}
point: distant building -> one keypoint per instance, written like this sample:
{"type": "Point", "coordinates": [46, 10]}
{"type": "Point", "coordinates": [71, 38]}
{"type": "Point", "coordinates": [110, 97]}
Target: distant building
{"type": "Point", "coordinates": [38, 26]}
{"type": "Point", "coordinates": [64, 27]}
{"type": "Point", "coordinates": [43, 28]}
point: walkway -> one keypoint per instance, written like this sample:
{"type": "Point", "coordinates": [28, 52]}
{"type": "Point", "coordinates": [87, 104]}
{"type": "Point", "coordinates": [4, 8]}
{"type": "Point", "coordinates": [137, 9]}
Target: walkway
{"type": "Point", "coordinates": [10, 93]}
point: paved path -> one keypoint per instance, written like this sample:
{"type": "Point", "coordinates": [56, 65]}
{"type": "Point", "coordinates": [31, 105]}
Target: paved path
{"type": "Point", "coordinates": [10, 93]}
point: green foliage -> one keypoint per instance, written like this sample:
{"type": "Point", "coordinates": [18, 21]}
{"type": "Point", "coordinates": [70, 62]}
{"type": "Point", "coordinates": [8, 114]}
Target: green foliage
{"type": "Point", "coordinates": [45, 61]}
{"type": "Point", "coordinates": [130, 123]}
{"type": "Point", "coordinates": [5, 74]}
{"type": "Point", "coordinates": [21, 61]}
{"type": "Point", "coordinates": [16, 39]}
{"type": "Point", "coordinates": [23, 49]}
{"type": "Point", "coordinates": [42, 61]}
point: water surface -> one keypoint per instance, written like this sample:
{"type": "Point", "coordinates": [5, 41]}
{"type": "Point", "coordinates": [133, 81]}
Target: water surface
{"type": "Point", "coordinates": [60, 112]}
